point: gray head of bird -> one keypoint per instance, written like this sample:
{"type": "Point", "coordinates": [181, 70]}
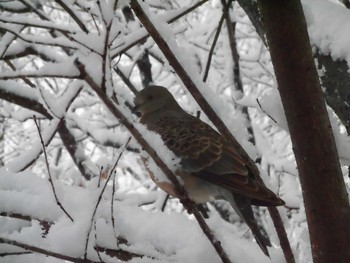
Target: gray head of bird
{"type": "Point", "coordinates": [154, 99]}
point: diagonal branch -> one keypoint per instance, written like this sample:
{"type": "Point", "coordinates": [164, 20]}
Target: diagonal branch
{"type": "Point", "coordinates": [190, 84]}
{"type": "Point", "coordinates": [208, 110]}
{"type": "Point", "coordinates": [189, 205]}
{"type": "Point", "coordinates": [72, 15]}
{"type": "Point", "coordinates": [49, 172]}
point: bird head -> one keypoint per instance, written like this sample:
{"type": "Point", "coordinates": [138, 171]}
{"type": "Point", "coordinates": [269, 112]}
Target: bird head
{"type": "Point", "coordinates": [153, 99]}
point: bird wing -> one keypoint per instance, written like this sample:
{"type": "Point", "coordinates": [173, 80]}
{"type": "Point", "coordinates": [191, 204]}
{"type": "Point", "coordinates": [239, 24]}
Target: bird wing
{"type": "Point", "coordinates": [206, 154]}
{"type": "Point", "coordinates": [197, 144]}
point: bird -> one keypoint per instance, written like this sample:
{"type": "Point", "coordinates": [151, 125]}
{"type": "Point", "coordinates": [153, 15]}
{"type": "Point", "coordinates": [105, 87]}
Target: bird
{"type": "Point", "coordinates": [210, 167]}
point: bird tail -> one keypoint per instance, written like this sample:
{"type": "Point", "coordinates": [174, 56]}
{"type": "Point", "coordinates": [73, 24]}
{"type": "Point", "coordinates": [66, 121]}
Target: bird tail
{"type": "Point", "coordinates": [243, 208]}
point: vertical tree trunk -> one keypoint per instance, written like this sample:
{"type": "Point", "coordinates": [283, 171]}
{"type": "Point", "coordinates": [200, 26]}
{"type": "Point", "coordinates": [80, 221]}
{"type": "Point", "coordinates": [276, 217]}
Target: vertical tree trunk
{"type": "Point", "coordinates": [325, 197]}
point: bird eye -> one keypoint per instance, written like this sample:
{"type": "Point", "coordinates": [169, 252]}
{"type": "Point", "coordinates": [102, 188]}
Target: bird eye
{"type": "Point", "coordinates": [150, 97]}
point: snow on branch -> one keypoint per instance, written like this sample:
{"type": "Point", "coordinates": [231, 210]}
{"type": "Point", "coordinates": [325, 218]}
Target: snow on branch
{"type": "Point", "coordinates": [37, 23]}
{"type": "Point", "coordinates": [64, 69]}
{"type": "Point", "coordinates": [22, 194]}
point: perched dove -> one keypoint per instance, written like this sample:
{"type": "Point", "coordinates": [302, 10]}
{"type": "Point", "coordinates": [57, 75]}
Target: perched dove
{"type": "Point", "coordinates": [210, 167]}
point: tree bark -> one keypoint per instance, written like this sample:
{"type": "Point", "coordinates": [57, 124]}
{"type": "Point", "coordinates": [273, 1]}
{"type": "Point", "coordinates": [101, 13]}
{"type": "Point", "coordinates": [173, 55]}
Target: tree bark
{"type": "Point", "coordinates": [325, 197]}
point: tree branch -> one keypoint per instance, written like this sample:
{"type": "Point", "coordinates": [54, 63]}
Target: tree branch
{"type": "Point", "coordinates": [180, 191]}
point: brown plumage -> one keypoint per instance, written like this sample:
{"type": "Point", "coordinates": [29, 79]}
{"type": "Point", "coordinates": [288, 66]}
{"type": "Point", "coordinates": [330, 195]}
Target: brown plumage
{"type": "Point", "coordinates": [211, 167]}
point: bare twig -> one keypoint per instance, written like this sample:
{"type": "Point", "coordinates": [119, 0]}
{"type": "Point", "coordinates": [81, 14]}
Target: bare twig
{"type": "Point", "coordinates": [36, 74]}
{"type": "Point", "coordinates": [105, 56]}
{"type": "Point", "coordinates": [49, 172]}
{"type": "Point", "coordinates": [97, 251]}
{"type": "Point", "coordinates": [32, 40]}
{"type": "Point", "coordinates": [165, 202]}
{"type": "Point", "coordinates": [216, 37]}
{"type": "Point", "coordinates": [15, 253]}
{"type": "Point", "coordinates": [120, 254]}
{"type": "Point", "coordinates": [17, 216]}
{"type": "Point", "coordinates": [125, 79]}
{"type": "Point", "coordinates": [44, 251]}
{"type": "Point", "coordinates": [26, 80]}
{"type": "Point", "coordinates": [262, 109]}
{"type": "Point", "coordinates": [100, 196]}
{"type": "Point", "coordinates": [100, 177]}
{"type": "Point", "coordinates": [112, 204]}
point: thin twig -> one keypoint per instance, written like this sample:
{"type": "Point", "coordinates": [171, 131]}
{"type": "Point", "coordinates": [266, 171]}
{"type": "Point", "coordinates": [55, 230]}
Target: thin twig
{"type": "Point", "coordinates": [262, 109]}
{"type": "Point", "coordinates": [100, 196]}
{"type": "Point", "coordinates": [122, 255]}
{"type": "Point", "coordinates": [100, 177]}
{"type": "Point", "coordinates": [17, 216]}
{"type": "Point", "coordinates": [44, 251]}
{"type": "Point", "coordinates": [165, 202]}
{"type": "Point", "coordinates": [49, 172]}
{"type": "Point", "coordinates": [32, 40]}
{"type": "Point", "coordinates": [97, 251]}
{"type": "Point", "coordinates": [26, 80]}
{"type": "Point", "coordinates": [112, 205]}
{"type": "Point", "coordinates": [106, 62]}
{"type": "Point", "coordinates": [125, 79]}
{"type": "Point", "coordinates": [216, 37]}
{"type": "Point", "coordinates": [15, 253]}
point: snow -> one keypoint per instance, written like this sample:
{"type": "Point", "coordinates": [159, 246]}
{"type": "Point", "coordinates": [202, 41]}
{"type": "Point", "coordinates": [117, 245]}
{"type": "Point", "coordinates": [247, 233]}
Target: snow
{"type": "Point", "coordinates": [168, 237]}
{"type": "Point", "coordinates": [271, 104]}
{"type": "Point", "coordinates": [38, 23]}
{"type": "Point", "coordinates": [65, 69]}
{"type": "Point", "coordinates": [328, 26]}
{"type": "Point", "coordinates": [6, 40]}
{"type": "Point", "coordinates": [171, 236]}
{"type": "Point", "coordinates": [14, 87]}
{"type": "Point", "coordinates": [221, 108]}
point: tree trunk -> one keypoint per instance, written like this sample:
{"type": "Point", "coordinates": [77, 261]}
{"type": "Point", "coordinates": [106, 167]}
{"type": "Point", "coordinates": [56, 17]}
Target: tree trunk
{"type": "Point", "coordinates": [325, 197]}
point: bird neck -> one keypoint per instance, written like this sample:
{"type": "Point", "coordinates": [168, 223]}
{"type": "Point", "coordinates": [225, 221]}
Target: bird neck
{"type": "Point", "coordinates": [151, 119]}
